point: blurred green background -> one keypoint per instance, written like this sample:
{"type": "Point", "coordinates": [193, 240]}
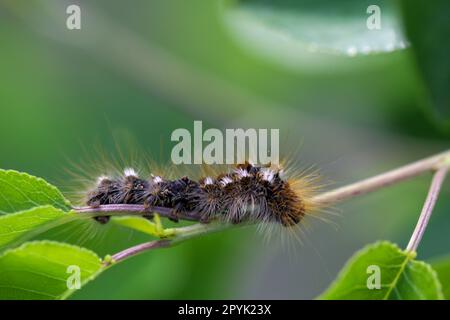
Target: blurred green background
{"type": "Point", "coordinates": [144, 68]}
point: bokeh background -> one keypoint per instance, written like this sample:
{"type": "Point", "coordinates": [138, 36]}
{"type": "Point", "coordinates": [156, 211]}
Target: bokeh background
{"type": "Point", "coordinates": [141, 69]}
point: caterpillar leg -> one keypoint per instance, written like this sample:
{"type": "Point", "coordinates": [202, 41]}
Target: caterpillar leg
{"type": "Point", "coordinates": [236, 220]}
{"type": "Point", "coordinates": [204, 219]}
{"type": "Point", "coordinates": [148, 215]}
{"type": "Point", "coordinates": [174, 216]}
{"type": "Point", "coordinates": [94, 203]}
{"type": "Point", "coordinates": [147, 212]}
{"type": "Point", "coordinates": [99, 219]}
{"type": "Point", "coordinates": [102, 219]}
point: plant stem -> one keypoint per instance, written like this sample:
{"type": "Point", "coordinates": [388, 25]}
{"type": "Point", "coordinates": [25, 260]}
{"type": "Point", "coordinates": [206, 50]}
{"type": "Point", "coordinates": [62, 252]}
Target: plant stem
{"type": "Point", "coordinates": [133, 209]}
{"type": "Point", "coordinates": [427, 209]}
{"type": "Point", "coordinates": [122, 255]}
{"type": "Point", "coordinates": [385, 179]}
{"type": "Point", "coordinates": [181, 234]}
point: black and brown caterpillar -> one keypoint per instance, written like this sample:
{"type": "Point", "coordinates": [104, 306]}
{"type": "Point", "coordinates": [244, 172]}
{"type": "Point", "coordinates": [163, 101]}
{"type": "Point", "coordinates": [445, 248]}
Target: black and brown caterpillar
{"type": "Point", "coordinates": [246, 193]}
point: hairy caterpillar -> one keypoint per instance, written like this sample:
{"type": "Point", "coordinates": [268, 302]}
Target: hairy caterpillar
{"type": "Point", "coordinates": [245, 193]}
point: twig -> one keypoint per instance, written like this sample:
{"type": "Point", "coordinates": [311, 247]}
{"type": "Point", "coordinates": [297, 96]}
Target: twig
{"type": "Point", "coordinates": [122, 255]}
{"type": "Point", "coordinates": [427, 209]}
{"type": "Point", "coordinates": [385, 179]}
{"type": "Point", "coordinates": [134, 209]}
{"type": "Point", "coordinates": [180, 235]}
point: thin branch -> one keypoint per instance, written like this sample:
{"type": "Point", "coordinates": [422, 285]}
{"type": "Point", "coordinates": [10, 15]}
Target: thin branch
{"type": "Point", "coordinates": [132, 251]}
{"type": "Point", "coordinates": [180, 235]}
{"type": "Point", "coordinates": [134, 209]}
{"type": "Point", "coordinates": [385, 179]}
{"type": "Point", "coordinates": [427, 209]}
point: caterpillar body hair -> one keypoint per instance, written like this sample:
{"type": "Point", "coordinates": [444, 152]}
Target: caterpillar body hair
{"type": "Point", "coordinates": [244, 193]}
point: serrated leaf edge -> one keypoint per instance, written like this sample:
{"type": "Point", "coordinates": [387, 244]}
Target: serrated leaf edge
{"type": "Point", "coordinates": [40, 181]}
{"type": "Point", "coordinates": [68, 292]}
{"type": "Point", "coordinates": [371, 247]}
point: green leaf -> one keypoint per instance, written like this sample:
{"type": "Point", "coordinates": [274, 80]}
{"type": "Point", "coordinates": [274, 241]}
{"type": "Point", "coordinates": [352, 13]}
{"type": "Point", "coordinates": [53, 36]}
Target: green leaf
{"type": "Point", "coordinates": [428, 29]}
{"type": "Point", "coordinates": [401, 277]}
{"type": "Point", "coordinates": [144, 225]}
{"type": "Point", "coordinates": [45, 270]}
{"type": "Point", "coordinates": [23, 225]}
{"type": "Point", "coordinates": [289, 29]}
{"type": "Point", "coordinates": [20, 191]}
{"type": "Point", "coordinates": [442, 267]}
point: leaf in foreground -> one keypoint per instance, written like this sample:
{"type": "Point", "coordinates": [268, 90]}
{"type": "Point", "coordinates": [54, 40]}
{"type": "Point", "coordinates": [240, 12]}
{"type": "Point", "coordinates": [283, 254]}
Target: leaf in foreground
{"type": "Point", "coordinates": [401, 277]}
{"type": "Point", "coordinates": [23, 225]}
{"type": "Point", "coordinates": [144, 225]}
{"type": "Point", "coordinates": [45, 270]}
{"type": "Point", "coordinates": [20, 191]}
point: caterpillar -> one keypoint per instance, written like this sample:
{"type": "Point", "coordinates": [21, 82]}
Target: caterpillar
{"type": "Point", "coordinates": [244, 193]}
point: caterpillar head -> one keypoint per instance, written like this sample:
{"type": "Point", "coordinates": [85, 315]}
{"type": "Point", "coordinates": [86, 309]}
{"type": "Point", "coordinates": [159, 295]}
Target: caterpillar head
{"type": "Point", "coordinates": [103, 193]}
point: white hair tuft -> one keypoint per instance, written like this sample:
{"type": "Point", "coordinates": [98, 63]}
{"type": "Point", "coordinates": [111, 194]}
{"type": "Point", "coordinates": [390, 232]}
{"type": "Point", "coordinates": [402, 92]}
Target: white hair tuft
{"type": "Point", "coordinates": [225, 181]}
{"type": "Point", "coordinates": [100, 179]}
{"type": "Point", "coordinates": [157, 179]}
{"type": "Point", "coordinates": [129, 172]}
